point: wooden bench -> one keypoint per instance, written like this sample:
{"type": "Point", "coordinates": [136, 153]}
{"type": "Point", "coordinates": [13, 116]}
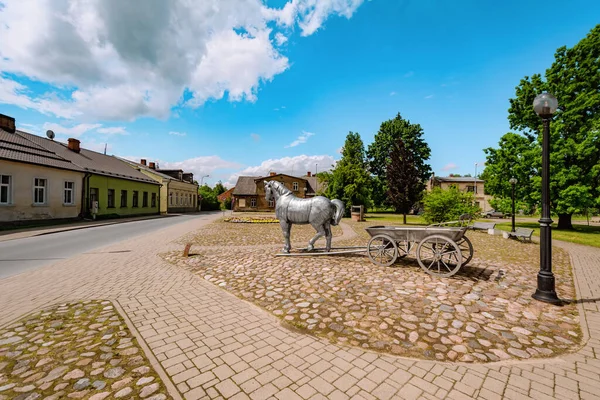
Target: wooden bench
{"type": "Point", "coordinates": [483, 225]}
{"type": "Point", "coordinates": [522, 233]}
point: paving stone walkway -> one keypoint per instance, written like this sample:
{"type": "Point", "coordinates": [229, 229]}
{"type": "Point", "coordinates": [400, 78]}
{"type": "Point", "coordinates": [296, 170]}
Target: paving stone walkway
{"type": "Point", "coordinates": [214, 345]}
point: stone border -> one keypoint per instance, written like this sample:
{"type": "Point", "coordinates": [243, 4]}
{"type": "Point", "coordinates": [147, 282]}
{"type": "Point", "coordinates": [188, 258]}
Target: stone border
{"type": "Point", "coordinates": [153, 361]}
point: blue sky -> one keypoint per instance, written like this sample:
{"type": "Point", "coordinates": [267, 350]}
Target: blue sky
{"type": "Point", "coordinates": [449, 66]}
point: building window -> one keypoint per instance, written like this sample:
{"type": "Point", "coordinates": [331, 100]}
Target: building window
{"type": "Point", "coordinates": [145, 199]}
{"type": "Point", "coordinates": [242, 203]}
{"type": "Point", "coordinates": [135, 198]}
{"type": "Point", "coordinates": [123, 198]}
{"type": "Point", "coordinates": [253, 202]}
{"type": "Point", "coordinates": [153, 200]}
{"type": "Point", "coordinates": [39, 190]}
{"type": "Point", "coordinates": [170, 198]}
{"type": "Point", "coordinates": [176, 198]}
{"type": "Point", "coordinates": [68, 197]}
{"type": "Point", "coordinates": [5, 189]}
{"type": "Point", "coordinates": [271, 203]}
{"type": "Point", "coordinates": [295, 186]}
{"type": "Point", "coordinates": [470, 188]}
{"type": "Point", "coordinates": [111, 198]}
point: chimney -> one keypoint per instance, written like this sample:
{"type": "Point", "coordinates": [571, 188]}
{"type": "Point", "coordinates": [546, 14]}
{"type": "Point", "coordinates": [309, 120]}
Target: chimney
{"type": "Point", "coordinates": [143, 161]}
{"type": "Point", "coordinates": [7, 123]}
{"type": "Point", "coordinates": [308, 174]}
{"type": "Point", "coordinates": [272, 174]}
{"type": "Point", "coordinates": [152, 165]}
{"type": "Point", "coordinates": [74, 145]}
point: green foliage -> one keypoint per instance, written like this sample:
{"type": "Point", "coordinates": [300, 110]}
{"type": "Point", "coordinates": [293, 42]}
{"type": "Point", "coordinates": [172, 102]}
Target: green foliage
{"type": "Point", "coordinates": [349, 180]}
{"type": "Point", "coordinates": [574, 78]}
{"type": "Point", "coordinates": [219, 188]}
{"type": "Point", "coordinates": [405, 186]}
{"type": "Point", "coordinates": [378, 152]}
{"type": "Point", "coordinates": [448, 205]}
{"type": "Point", "coordinates": [209, 199]}
{"type": "Point", "coordinates": [226, 204]}
{"type": "Point", "coordinates": [515, 157]}
{"type": "Point", "coordinates": [504, 204]}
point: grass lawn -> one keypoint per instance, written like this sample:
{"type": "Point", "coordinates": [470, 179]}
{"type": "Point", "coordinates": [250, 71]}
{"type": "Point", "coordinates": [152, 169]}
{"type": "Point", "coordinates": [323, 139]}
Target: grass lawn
{"type": "Point", "coordinates": [582, 234]}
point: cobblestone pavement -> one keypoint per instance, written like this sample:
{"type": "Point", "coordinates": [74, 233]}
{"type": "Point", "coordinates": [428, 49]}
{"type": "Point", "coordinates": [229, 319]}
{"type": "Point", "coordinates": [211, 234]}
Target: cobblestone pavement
{"type": "Point", "coordinates": [214, 345]}
{"type": "Point", "coordinates": [484, 313]}
{"type": "Point", "coordinates": [77, 350]}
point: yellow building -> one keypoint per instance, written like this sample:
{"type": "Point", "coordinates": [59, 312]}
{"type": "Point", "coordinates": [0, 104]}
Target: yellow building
{"type": "Point", "coordinates": [35, 183]}
{"type": "Point", "coordinates": [465, 184]}
{"type": "Point", "coordinates": [178, 194]}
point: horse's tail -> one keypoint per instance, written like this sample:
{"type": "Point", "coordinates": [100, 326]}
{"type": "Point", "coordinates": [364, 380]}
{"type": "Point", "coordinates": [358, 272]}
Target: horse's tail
{"type": "Point", "coordinates": [339, 211]}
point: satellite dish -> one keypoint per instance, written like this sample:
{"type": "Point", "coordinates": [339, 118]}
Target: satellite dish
{"type": "Point", "coordinates": [50, 134]}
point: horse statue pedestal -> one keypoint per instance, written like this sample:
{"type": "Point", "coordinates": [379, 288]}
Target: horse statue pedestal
{"type": "Point", "coordinates": [318, 211]}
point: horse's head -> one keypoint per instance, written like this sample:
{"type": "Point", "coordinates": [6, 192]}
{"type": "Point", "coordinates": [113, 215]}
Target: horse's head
{"type": "Point", "coordinates": [268, 190]}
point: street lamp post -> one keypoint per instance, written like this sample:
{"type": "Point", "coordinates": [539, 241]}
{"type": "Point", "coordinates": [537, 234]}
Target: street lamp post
{"type": "Point", "coordinates": [545, 104]}
{"type": "Point", "coordinates": [200, 197]}
{"type": "Point", "coordinates": [513, 182]}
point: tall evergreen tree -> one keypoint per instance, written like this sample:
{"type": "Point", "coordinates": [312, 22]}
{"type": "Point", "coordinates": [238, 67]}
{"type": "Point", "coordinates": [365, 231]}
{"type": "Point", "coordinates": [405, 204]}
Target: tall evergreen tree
{"type": "Point", "coordinates": [405, 186]}
{"type": "Point", "coordinates": [378, 152]}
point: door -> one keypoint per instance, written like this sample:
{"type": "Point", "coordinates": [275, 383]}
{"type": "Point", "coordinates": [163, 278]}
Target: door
{"type": "Point", "coordinates": [93, 197]}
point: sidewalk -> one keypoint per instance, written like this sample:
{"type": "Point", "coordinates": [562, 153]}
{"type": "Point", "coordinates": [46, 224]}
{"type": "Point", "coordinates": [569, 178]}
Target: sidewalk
{"type": "Point", "coordinates": [44, 230]}
{"type": "Point", "coordinates": [214, 345]}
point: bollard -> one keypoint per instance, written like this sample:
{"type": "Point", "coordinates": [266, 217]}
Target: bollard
{"type": "Point", "coordinates": [186, 251]}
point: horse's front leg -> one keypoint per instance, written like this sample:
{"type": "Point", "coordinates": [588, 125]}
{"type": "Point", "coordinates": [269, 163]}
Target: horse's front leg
{"type": "Point", "coordinates": [286, 228]}
{"type": "Point", "coordinates": [320, 232]}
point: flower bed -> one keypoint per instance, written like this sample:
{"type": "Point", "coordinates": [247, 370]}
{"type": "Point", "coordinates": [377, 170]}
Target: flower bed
{"type": "Point", "coordinates": [252, 220]}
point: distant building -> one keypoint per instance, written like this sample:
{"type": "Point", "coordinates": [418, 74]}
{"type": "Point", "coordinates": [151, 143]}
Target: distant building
{"type": "Point", "coordinates": [464, 184]}
{"type": "Point", "coordinates": [178, 194]}
{"type": "Point", "coordinates": [46, 179]}
{"type": "Point", "coordinates": [249, 191]}
{"type": "Point", "coordinates": [226, 195]}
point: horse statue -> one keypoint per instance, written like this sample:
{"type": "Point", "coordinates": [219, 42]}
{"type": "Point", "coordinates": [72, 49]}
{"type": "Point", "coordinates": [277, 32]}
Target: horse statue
{"type": "Point", "coordinates": [318, 211]}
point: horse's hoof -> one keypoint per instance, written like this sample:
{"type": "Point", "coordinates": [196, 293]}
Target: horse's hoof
{"type": "Point", "coordinates": [287, 251]}
{"type": "Point", "coordinates": [310, 247]}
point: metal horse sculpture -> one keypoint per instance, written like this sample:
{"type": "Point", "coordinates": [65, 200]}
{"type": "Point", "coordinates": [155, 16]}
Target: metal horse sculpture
{"type": "Point", "coordinates": [318, 211]}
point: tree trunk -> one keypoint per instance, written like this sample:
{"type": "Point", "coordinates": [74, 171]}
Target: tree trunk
{"type": "Point", "coordinates": [564, 221]}
{"type": "Point", "coordinates": [404, 218]}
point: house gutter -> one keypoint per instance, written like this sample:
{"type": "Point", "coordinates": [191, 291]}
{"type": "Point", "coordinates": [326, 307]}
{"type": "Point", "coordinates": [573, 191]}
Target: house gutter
{"type": "Point", "coordinates": [83, 192]}
{"type": "Point", "coordinates": [167, 211]}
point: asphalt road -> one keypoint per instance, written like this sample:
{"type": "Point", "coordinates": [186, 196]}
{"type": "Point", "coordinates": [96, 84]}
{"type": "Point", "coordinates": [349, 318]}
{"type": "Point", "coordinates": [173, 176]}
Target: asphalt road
{"type": "Point", "coordinates": [20, 255]}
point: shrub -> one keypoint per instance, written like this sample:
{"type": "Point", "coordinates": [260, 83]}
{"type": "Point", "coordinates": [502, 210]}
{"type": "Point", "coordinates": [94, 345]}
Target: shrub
{"type": "Point", "coordinates": [447, 205]}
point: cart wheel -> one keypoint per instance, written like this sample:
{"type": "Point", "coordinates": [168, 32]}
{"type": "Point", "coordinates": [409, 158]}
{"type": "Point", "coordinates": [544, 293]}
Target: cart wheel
{"type": "Point", "coordinates": [403, 248]}
{"type": "Point", "coordinates": [466, 249]}
{"type": "Point", "coordinates": [439, 256]}
{"type": "Point", "coordinates": [382, 250]}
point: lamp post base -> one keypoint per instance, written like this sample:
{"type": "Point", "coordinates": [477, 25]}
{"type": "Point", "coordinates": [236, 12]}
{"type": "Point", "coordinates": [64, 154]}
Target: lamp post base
{"type": "Point", "coordinates": [545, 291]}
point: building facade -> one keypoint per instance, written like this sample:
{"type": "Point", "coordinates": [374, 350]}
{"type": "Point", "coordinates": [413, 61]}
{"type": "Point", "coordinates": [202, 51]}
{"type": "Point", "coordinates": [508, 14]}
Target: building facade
{"type": "Point", "coordinates": [35, 184]}
{"type": "Point", "coordinates": [178, 193]}
{"type": "Point", "coordinates": [464, 184]}
{"type": "Point", "coordinates": [249, 192]}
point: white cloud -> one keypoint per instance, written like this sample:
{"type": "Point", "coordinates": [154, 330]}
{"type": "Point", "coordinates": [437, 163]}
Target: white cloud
{"type": "Point", "coordinates": [280, 38]}
{"type": "Point", "coordinates": [301, 139]}
{"type": "Point", "coordinates": [296, 166]}
{"type": "Point", "coordinates": [255, 137]}
{"type": "Point", "coordinates": [429, 97]}
{"type": "Point", "coordinates": [311, 14]}
{"type": "Point", "coordinates": [73, 131]}
{"type": "Point", "coordinates": [114, 130]}
{"type": "Point", "coordinates": [449, 167]}
{"type": "Point", "coordinates": [393, 93]}
{"type": "Point", "coordinates": [115, 61]}
{"type": "Point", "coordinates": [173, 133]}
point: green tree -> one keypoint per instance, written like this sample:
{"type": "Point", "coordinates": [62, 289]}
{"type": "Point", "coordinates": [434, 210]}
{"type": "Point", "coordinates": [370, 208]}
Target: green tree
{"type": "Point", "coordinates": [209, 198]}
{"type": "Point", "coordinates": [378, 152]}
{"type": "Point", "coordinates": [349, 180]}
{"type": "Point", "coordinates": [447, 205]}
{"type": "Point", "coordinates": [405, 186]}
{"type": "Point", "coordinates": [574, 78]}
{"type": "Point", "coordinates": [515, 157]}
{"type": "Point", "coordinates": [219, 188]}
